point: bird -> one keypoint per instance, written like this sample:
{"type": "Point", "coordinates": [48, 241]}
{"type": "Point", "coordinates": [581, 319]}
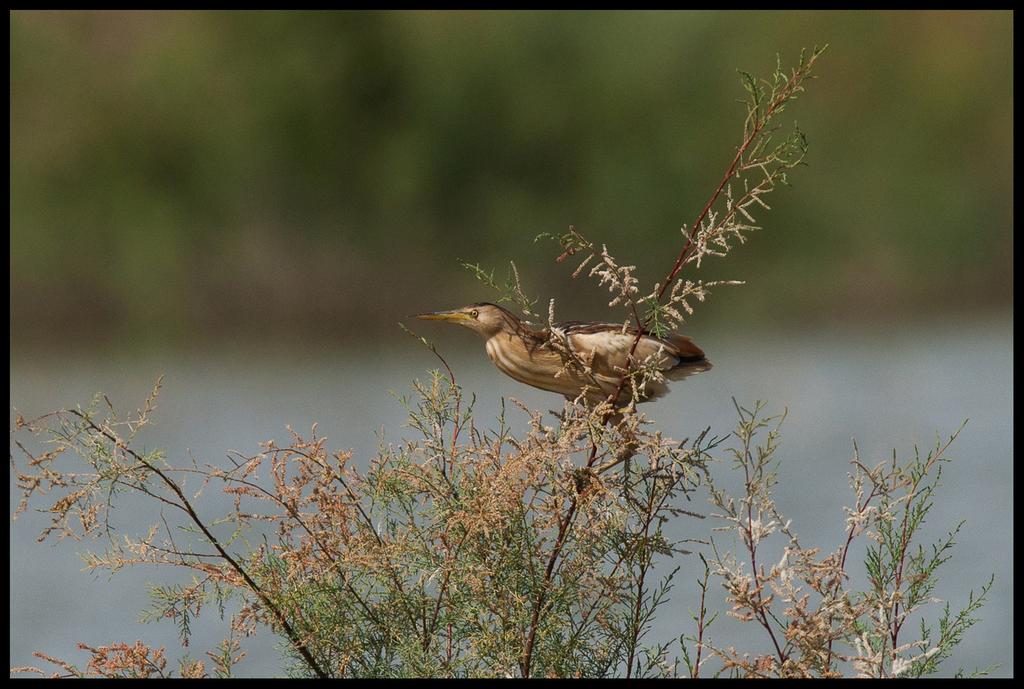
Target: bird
{"type": "Point", "coordinates": [533, 357]}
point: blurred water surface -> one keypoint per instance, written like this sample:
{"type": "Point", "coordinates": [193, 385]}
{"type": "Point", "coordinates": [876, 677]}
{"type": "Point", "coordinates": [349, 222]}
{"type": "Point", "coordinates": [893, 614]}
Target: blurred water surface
{"type": "Point", "coordinates": [886, 387]}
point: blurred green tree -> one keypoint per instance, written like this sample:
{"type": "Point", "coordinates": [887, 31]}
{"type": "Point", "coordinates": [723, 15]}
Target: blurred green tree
{"type": "Point", "coordinates": [187, 174]}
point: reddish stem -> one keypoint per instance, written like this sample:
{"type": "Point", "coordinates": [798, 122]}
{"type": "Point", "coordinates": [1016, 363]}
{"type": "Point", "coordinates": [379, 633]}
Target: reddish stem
{"type": "Point", "coordinates": [748, 140]}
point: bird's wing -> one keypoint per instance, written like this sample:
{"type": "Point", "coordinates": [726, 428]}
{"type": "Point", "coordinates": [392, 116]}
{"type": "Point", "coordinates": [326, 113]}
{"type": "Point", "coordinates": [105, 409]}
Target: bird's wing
{"type": "Point", "coordinates": [609, 346]}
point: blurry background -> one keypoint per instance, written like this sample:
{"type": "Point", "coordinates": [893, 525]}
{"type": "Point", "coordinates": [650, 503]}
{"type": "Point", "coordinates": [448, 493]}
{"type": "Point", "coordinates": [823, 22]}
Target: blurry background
{"type": "Point", "coordinates": [248, 203]}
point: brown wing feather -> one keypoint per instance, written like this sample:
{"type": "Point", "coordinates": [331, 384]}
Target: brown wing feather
{"type": "Point", "coordinates": [685, 349]}
{"type": "Point", "coordinates": [679, 354]}
{"type": "Point", "coordinates": [678, 345]}
{"type": "Point", "coordinates": [609, 347]}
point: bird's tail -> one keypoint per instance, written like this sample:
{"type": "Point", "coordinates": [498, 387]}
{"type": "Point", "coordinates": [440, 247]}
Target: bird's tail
{"type": "Point", "coordinates": [691, 358]}
{"type": "Point", "coordinates": [687, 368]}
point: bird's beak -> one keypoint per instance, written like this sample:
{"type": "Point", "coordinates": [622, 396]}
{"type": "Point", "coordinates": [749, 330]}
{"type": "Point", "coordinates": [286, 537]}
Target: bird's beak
{"type": "Point", "coordinates": [454, 316]}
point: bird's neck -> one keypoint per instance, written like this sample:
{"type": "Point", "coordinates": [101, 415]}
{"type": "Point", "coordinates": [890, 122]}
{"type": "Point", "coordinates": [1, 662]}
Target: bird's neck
{"type": "Point", "coordinates": [512, 327]}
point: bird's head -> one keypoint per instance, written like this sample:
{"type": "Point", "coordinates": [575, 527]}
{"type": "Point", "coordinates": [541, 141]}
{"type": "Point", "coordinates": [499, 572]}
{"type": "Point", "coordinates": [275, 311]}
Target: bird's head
{"type": "Point", "coordinates": [485, 319]}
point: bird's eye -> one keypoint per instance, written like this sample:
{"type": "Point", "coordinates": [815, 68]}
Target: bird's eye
{"type": "Point", "coordinates": [474, 313]}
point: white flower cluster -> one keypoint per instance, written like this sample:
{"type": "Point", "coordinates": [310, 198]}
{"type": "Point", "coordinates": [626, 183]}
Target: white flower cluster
{"type": "Point", "coordinates": [619, 279]}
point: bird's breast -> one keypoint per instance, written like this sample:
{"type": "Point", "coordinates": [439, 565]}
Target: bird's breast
{"type": "Point", "coordinates": [534, 366]}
